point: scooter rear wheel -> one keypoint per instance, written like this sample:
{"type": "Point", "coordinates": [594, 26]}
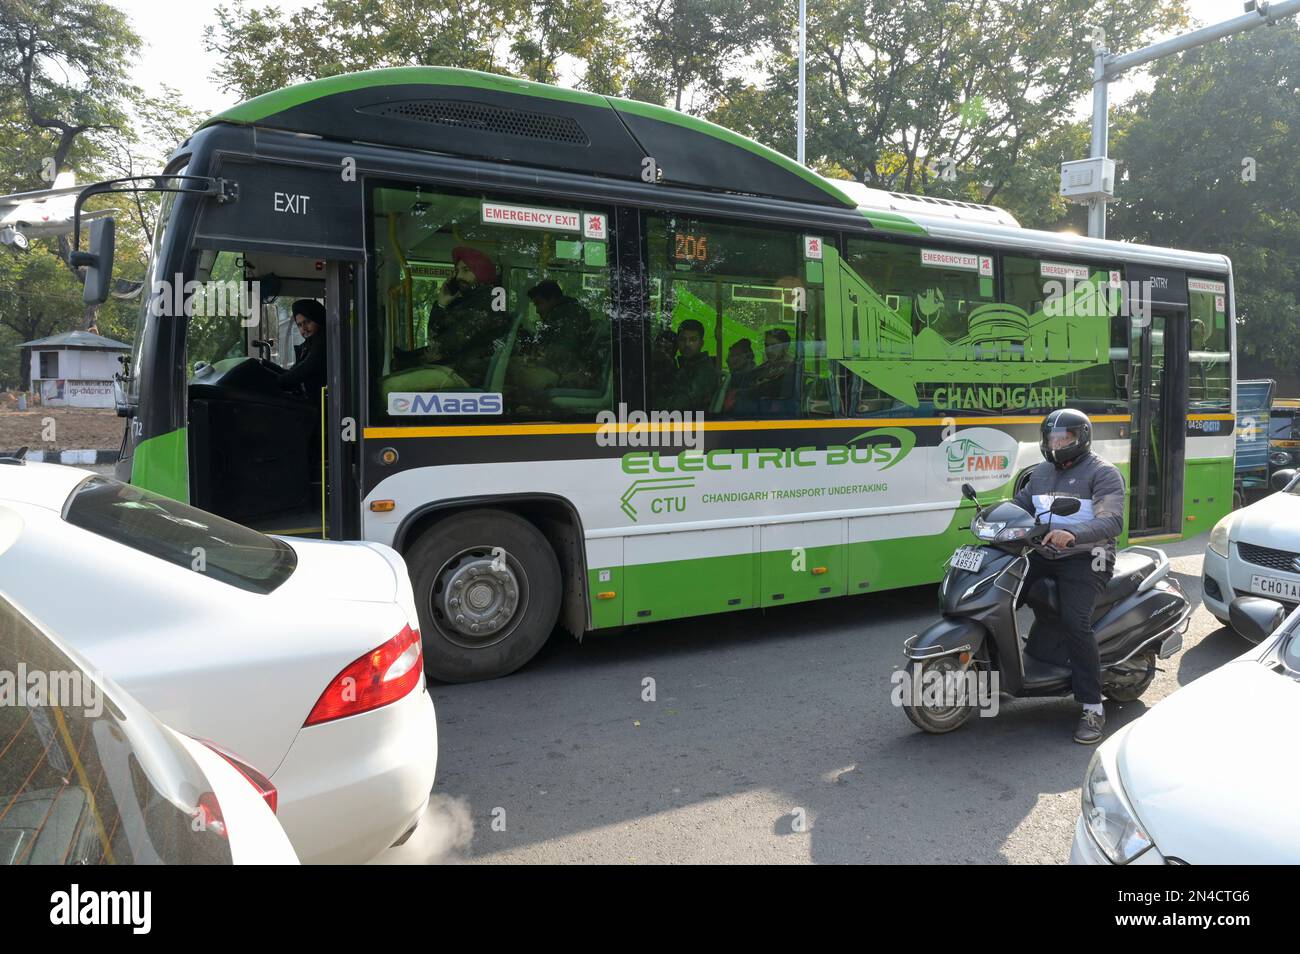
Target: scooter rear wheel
{"type": "Point", "coordinates": [932, 718]}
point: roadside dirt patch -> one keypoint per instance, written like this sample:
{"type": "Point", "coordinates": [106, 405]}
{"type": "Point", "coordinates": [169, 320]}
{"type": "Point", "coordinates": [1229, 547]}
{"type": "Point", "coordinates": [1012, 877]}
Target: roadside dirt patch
{"type": "Point", "coordinates": [74, 428]}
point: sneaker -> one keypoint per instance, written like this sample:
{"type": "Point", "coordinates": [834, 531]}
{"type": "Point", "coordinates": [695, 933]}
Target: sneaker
{"type": "Point", "coordinates": [1088, 732]}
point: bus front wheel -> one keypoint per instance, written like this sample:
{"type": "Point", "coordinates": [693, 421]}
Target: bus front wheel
{"type": "Point", "coordinates": [487, 589]}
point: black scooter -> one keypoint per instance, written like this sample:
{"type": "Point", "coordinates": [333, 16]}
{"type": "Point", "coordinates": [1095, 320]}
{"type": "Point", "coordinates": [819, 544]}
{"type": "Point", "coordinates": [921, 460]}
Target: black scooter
{"type": "Point", "coordinates": [1140, 617]}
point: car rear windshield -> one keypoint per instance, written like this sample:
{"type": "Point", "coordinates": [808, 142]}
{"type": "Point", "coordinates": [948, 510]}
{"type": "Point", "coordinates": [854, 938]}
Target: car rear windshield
{"type": "Point", "coordinates": [81, 782]}
{"type": "Point", "coordinates": [180, 534]}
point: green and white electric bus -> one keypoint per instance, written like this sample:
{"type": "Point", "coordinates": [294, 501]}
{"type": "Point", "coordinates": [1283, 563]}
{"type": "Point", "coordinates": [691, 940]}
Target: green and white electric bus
{"type": "Point", "coordinates": [596, 363]}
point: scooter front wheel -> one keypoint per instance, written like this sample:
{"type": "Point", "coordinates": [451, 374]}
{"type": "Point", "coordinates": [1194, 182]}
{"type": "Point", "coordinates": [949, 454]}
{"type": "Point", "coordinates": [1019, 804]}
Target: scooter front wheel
{"type": "Point", "coordinates": [938, 700]}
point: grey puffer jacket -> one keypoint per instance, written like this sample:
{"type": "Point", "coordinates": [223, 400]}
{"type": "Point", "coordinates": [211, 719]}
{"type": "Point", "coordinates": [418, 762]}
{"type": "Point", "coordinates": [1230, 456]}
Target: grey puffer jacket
{"type": "Point", "coordinates": [1099, 487]}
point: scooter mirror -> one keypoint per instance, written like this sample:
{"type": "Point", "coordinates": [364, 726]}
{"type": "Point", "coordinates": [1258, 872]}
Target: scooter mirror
{"type": "Point", "coordinates": [968, 492]}
{"type": "Point", "coordinates": [1064, 506]}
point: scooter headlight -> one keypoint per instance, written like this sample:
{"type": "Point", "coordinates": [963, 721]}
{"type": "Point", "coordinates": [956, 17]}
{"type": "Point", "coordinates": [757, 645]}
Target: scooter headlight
{"type": "Point", "coordinates": [1107, 815]}
{"type": "Point", "coordinates": [1012, 533]}
{"type": "Point", "coordinates": [986, 530]}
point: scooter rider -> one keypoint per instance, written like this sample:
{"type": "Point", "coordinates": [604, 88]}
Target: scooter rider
{"type": "Point", "coordinates": [1081, 546]}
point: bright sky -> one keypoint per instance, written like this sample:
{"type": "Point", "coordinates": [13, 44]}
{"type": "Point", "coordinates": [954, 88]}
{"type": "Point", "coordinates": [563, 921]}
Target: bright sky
{"type": "Point", "coordinates": [174, 54]}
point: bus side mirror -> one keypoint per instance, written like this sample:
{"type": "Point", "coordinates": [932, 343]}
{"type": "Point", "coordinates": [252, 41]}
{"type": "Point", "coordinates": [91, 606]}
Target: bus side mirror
{"type": "Point", "coordinates": [98, 261]}
{"type": "Point", "coordinates": [1281, 478]}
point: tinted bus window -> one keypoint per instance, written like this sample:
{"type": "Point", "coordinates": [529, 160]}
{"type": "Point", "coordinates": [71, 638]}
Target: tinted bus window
{"type": "Point", "coordinates": [180, 534]}
{"type": "Point", "coordinates": [500, 305]}
{"type": "Point", "coordinates": [79, 782]}
{"type": "Point", "coordinates": [737, 325]}
{"type": "Point", "coordinates": [1075, 331]}
{"type": "Point", "coordinates": [1209, 373]}
{"type": "Point", "coordinates": [927, 312]}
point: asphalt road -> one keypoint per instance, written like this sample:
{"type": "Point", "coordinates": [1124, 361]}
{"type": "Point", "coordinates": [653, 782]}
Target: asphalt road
{"type": "Point", "coordinates": [772, 739]}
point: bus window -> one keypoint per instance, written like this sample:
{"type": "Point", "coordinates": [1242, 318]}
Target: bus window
{"type": "Point", "coordinates": [1209, 371]}
{"type": "Point", "coordinates": [215, 334]}
{"type": "Point", "coordinates": [737, 329]}
{"type": "Point", "coordinates": [1073, 317]}
{"type": "Point", "coordinates": [931, 306]}
{"type": "Point", "coordinates": [478, 294]}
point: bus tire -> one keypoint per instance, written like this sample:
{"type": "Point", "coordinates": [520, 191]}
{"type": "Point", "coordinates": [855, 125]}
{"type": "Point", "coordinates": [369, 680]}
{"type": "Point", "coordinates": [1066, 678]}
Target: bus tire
{"type": "Point", "coordinates": [489, 569]}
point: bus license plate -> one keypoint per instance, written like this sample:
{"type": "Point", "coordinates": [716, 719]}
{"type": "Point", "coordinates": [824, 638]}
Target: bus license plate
{"type": "Point", "coordinates": [968, 558]}
{"type": "Point", "coordinates": [1272, 586]}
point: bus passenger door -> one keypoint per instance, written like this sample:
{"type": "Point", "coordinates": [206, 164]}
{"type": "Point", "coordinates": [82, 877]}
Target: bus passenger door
{"type": "Point", "coordinates": [341, 460]}
{"type": "Point", "coordinates": [1157, 399]}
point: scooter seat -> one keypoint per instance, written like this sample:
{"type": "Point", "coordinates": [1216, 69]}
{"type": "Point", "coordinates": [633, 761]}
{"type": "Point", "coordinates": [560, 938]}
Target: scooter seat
{"type": "Point", "coordinates": [1131, 568]}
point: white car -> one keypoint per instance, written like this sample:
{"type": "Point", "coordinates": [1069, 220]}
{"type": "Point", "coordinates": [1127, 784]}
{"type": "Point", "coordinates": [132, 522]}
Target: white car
{"type": "Point", "coordinates": [1207, 776]}
{"type": "Point", "coordinates": [88, 776]}
{"type": "Point", "coordinates": [1255, 551]}
{"type": "Point", "coordinates": [301, 658]}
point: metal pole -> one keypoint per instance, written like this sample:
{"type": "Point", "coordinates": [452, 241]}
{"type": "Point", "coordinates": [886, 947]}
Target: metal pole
{"type": "Point", "coordinates": [1100, 134]}
{"type": "Point", "coordinates": [803, 41]}
{"type": "Point", "coordinates": [1106, 67]}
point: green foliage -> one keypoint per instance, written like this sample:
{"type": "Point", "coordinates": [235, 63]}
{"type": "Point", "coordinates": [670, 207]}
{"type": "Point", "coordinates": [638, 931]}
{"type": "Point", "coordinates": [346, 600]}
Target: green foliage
{"type": "Point", "coordinates": [896, 88]}
{"type": "Point", "coordinates": [1183, 149]}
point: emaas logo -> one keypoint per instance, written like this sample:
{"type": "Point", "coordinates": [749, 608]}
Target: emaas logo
{"type": "Point", "coordinates": [430, 403]}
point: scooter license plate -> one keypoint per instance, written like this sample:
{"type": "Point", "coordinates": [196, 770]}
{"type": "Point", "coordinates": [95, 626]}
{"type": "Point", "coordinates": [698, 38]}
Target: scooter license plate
{"type": "Point", "coordinates": [1272, 586]}
{"type": "Point", "coordinates": [968, 558]}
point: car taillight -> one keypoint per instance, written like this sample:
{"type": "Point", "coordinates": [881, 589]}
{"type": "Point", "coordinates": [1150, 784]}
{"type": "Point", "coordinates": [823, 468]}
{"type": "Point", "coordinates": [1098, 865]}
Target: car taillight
{"type": "Point", "coordinates": [255, 778]}
{"type": "Point", "coordinates": [208, 815]}
{"type": "Point", "coordinates": [383, 675]}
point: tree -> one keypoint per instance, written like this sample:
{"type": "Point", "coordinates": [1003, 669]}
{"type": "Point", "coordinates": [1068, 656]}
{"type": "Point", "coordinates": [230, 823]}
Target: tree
{"type": "Point", "coordinates": [682, 46]}
{"type": "Point", "coordinates": [38, 298]}
{"type": "Point", "coordinates": [930, 96]}
{"type": "Point", "coordinates": [1209, 163]}
{"type": "Point", "coordinates": [64, 63]}
{"type": "Point", "coordinates": [530, 38]}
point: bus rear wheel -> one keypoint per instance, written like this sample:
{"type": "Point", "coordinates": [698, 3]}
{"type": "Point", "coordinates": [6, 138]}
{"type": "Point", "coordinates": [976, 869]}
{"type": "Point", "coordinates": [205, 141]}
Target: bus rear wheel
{"type": "Point", "coordinates": [487, 589]}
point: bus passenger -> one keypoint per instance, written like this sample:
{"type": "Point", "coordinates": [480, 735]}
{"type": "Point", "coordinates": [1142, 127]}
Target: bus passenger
{"type": "Point", "coordinates": [740, 362]}
{"type": "Point", "coordinates": [694, 378]}
{"type": "Point", "coordinates": [771, 386]}
{"type": "Point", "coordinates": [463, 327]}
{"type": "Point", "coordinates": [566, 342]}
{"type": "Point", "coordinates": [309, 368]}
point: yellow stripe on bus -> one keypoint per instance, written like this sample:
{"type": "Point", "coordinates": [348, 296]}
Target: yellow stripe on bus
{"type": "Point", "coordinates": [520, 430]}
{"type": "Point", "coordinates": [1211, 417]}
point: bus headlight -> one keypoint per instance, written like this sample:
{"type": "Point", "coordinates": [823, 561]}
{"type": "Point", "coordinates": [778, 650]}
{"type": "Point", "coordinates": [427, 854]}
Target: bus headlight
{"type": "Point", "coordinates": [1107, 816]}
{"type": "Point", "coordinates": [1219, 535]}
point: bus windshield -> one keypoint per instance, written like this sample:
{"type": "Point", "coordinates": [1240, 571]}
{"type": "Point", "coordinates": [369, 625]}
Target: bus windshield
{"type": "Point", "coordinates": [144, 327]}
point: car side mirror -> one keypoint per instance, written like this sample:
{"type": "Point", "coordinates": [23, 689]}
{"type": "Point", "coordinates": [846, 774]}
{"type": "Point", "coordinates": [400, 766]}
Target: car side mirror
{"type": "Point", "coordinates": [97, 260]}
{"type": "Point", "coordinates": [1255, 617]}
{"type": "Point", "coordinates": [1064, 506]}
{"type": "Point", "coordinates": [1281, 478]}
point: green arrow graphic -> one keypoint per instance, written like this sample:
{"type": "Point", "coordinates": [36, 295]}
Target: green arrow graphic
{"type": "Point", "coordinates": [656, 483]}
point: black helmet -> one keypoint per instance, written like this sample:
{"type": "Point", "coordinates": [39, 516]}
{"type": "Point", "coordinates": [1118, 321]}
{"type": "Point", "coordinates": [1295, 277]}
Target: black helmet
{"type": "Point", "coordinates": [1066, 422]}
